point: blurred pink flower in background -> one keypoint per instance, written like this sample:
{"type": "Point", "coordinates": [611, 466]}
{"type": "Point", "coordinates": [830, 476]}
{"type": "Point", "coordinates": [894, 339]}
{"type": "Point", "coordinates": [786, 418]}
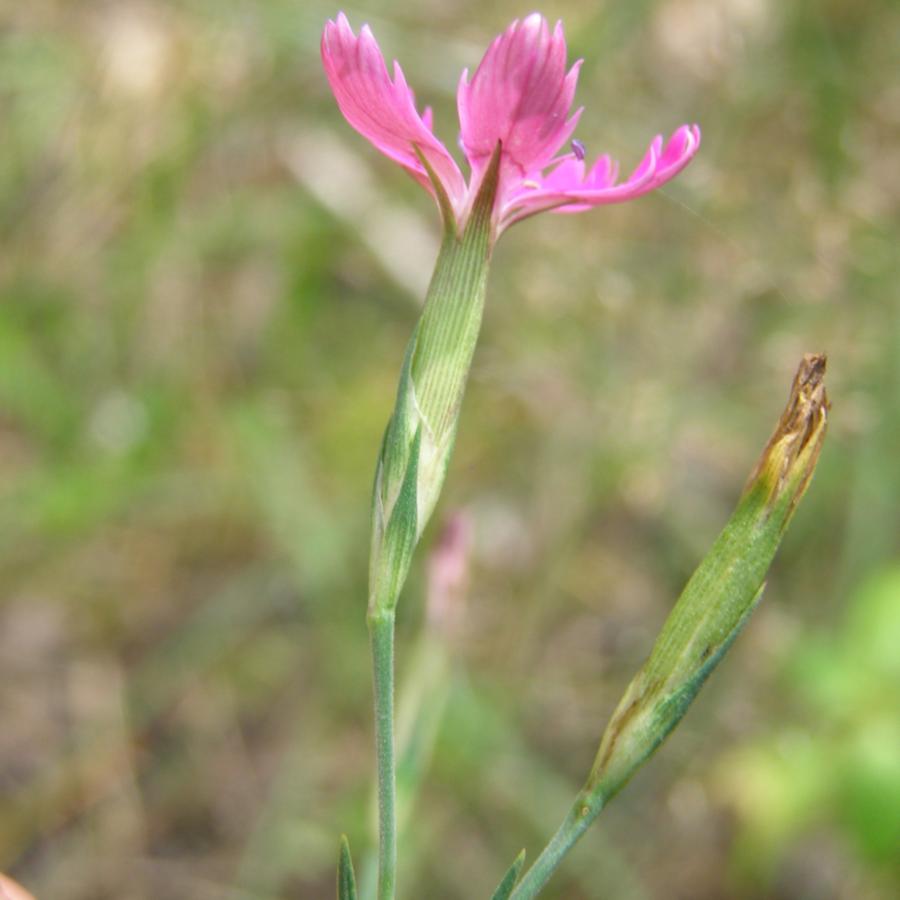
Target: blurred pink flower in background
{"type": "Point", "coordinates": [448, 575]}
{"type": "Point", "coordinates": [521, 97]}
{"type": "Point", "coordinates": [12, 890]}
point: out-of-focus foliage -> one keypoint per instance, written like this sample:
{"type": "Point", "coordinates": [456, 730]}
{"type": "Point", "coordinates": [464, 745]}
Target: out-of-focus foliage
{"type": "Point", "coordinates": [206, 285]}
{"type": "Point", "coordinates": [788, 783]}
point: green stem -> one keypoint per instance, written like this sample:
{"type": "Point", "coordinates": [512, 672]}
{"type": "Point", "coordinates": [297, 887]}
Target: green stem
{"type": "Point", "coordinates": [583, 812]}
{"type": "Point", "coordinates": [412, 465]}
{"type": "Point", "coordinates": [381, 638]}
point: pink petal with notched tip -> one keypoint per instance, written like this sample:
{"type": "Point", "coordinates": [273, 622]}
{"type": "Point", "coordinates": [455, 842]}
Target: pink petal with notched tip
{"type": "Point", "coordinates": [520, 95]}
{"type": "Point", "coordinates": [382, 110]}
{"type": "Point", "coordinates": [679, 151]}
{"type": "Point", "coordinates": [565, 190]}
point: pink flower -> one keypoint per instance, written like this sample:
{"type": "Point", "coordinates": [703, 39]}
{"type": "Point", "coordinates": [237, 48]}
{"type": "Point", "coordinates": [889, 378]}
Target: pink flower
{"type": "Point", "coordinates": [520, 97]}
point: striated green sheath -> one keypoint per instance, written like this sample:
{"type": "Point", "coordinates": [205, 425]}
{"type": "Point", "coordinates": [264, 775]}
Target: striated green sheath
{"type": "Point", "coordinates": [419, 437]}
{"type": "Point", "coordinates": [346, 885]}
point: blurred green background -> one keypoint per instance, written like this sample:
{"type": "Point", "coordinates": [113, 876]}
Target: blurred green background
{"type": "Point", "coordinates": [207, 281]}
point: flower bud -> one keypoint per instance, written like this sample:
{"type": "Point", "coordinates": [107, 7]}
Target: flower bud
{"type": "Point", "coordinates": [723, 591]}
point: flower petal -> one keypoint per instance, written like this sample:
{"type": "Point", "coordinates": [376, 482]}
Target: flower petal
{"type": "Point", "coordinates": [567, 189]}
{"type": "Point", "coordinates": [520, 95]}
{"type": "Point", "coordinates": [382, 110]}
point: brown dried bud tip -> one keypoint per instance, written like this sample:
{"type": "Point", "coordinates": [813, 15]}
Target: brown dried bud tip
{"type": "Point", "coordinates": [794, 447]}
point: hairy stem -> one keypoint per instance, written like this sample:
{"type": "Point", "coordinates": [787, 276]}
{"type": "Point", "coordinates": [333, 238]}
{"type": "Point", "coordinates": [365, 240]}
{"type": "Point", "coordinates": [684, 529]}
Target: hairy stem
{"type": "Point", "coordinates": [381, 638]}
{"type": "Point", "coordinates": [583, 812]}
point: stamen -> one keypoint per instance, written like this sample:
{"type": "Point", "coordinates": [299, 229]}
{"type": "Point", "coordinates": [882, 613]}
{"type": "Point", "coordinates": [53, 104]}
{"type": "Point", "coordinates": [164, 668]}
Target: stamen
{"type": "Point", "coordinates": [530, 184]}
{"type": "Point", "coordinates": [578, 149]}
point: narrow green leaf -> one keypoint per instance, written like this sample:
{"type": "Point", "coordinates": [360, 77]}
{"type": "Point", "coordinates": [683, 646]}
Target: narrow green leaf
{"type": "Point", "coordinates": [506, 886]}
{"type": "Point", "coordinates": [346, 880]}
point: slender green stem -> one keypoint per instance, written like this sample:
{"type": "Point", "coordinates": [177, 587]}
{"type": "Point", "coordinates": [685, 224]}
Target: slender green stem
{"type": "Point", "coordinates": [583, 812]}
{"type": "Point", "coordinates": [381, 638]}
